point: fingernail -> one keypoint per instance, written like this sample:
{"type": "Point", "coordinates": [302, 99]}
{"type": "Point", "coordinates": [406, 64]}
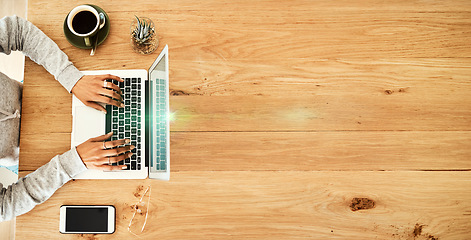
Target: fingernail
{"type": "Point", "coordinates": [110, 132]}
{"type": "Point", "coordinates": [132, 147]}
{"type": "Point", "coordinates": [122, 105]}
{"type": "Point", "coordinates": [125, 167]}
{"type": "Point", "coordinates": [127, 140]}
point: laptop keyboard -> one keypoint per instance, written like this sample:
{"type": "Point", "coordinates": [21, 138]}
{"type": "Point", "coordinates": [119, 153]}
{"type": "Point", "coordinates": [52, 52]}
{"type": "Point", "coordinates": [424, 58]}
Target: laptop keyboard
{"type": "Point", "coordinates": [126, 122]}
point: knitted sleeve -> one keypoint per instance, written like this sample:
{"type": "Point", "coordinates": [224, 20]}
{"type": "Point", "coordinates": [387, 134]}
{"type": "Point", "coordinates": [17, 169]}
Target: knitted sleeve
{"type": "Point", "coordinates": [17, 34]}
{"type": "Point", "coordinates": [39, 185]}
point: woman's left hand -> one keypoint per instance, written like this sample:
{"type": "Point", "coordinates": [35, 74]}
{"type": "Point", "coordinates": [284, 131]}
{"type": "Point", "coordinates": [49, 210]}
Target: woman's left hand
{"type": "Point", "coordinates": [94, 89]}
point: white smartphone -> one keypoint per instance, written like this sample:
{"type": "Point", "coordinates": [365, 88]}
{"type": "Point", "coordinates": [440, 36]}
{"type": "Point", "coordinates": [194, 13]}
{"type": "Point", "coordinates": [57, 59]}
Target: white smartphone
{"type": "Point", "coordinates": [87, 219]}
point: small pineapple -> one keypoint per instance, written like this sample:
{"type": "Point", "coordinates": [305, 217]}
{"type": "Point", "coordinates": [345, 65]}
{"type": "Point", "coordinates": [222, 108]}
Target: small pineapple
{"type": "Point", "coordinates": [143, 31]}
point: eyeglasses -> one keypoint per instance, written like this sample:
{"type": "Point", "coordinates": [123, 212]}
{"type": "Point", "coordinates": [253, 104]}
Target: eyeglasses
{"type": "Point", "coordinates": [139, 218]}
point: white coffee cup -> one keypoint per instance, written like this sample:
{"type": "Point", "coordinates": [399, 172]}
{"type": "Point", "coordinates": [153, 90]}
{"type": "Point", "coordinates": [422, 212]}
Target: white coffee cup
{"type": "Point", "coordinates": [84, 21]}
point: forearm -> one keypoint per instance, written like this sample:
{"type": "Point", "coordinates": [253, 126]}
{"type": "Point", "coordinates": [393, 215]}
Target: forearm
{"type": "Point", "coordinates": [17, 34]}
{"type": "Point", "coordinates": [39, 186]}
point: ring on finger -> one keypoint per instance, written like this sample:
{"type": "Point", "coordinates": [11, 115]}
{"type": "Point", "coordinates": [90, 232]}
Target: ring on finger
{"type": "Point", "coordinates": [109, 162]}
{"type": "Point", "coordinates": [105, 84]}
{"type": "Point", "coordinates": [104, 146]}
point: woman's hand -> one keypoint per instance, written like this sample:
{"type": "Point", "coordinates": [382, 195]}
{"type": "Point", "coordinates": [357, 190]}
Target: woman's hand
{"type": "Point", "coordinates": [98, 154]}
{"type": "Point", "coordinates": [94, 89]}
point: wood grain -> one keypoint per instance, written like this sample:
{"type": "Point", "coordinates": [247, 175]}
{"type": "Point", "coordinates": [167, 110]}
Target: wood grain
{"type": "Point", "coordinates": [293, 151]}
{"type": "Point", "coordinates": [316, 113]}
{"type": "Point", "coordinates": [266, 5]}
{"type": "Point", "coordinates": [420, 94]}
{"type": "Point", "coordinates": [217, 31]}
{"type": "Point", "coordinates": [282, 114]}
{"type": "Point", "coordinates": [270, 205]}
{"type": "Point", "coordinates": [321, 35]}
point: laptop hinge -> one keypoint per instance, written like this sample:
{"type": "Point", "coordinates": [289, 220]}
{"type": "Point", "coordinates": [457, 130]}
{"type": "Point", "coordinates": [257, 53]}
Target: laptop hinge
{"type": "Point", "coordinates": [148, 120]}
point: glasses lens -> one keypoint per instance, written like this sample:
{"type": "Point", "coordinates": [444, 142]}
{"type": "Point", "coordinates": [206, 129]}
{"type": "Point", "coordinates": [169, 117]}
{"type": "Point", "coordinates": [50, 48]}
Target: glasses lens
{"type": "Point", "coordinates": [139, 220]}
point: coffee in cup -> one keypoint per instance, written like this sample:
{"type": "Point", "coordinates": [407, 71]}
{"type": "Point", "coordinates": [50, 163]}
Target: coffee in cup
{"type": "Point", "coordinates": [84, 21]}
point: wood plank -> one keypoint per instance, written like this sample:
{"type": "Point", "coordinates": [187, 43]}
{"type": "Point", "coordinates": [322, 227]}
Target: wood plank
{"type": "Point", "coordinates": [316, 113]}
{"type": "Point", "coordinates": [193, 113]}
{"type": "Point", "coordinates": [269, 205]}
{"type": "Point", "coordinates": [268, 5]}
{"type": "Point", "coordinates": [323, 33]}
{"type": "Point", "coordinates": [419, 77]}
{"type": "Point", "coordinates": [420, 94]}
{"type": "Point", "coordinates": [334, 151]}
{"type": "Point", "coordinates": [288, 151]}
{"type": "Point", "coordinates": [37, 151]}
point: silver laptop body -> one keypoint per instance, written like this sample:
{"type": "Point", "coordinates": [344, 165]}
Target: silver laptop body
{"type": "Point", "coordinates": [150, 109]}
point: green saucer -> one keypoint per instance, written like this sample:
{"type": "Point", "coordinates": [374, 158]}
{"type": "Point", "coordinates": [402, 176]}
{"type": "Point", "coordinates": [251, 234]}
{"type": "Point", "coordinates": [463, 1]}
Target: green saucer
{"type": "Point", "coordinates": [78, 41]}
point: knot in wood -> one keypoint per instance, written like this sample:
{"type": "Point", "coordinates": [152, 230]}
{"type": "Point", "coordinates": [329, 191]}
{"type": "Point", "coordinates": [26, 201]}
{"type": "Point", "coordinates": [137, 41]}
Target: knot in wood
{"type": "Point", "coordinates": [361, 204]}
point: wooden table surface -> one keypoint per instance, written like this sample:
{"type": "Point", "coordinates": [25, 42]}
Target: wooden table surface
{"type": "Point", "coordinates": [285, 111]}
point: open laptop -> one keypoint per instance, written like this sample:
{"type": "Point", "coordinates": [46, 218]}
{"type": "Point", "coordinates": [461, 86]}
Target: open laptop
{"type": "Point", "coordinates": [144, 120]}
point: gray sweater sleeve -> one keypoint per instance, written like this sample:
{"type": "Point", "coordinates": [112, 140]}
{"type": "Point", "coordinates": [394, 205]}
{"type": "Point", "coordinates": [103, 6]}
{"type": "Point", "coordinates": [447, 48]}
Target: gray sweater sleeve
{"type": "Point", "coordinates": [17, 34]}
{"type": "Point", "coordinates": [39, 185]}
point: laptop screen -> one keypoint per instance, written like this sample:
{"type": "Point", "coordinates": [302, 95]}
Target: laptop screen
{"type": "Point", "coordinates": [157, 69]}
{"type": "Point", "coordinates": [158, 110]}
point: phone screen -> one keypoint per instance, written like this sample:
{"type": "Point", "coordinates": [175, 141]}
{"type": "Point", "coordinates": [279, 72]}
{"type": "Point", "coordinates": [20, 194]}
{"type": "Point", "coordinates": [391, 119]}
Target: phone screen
{"type": "Point", "coordinates": [86, 219]}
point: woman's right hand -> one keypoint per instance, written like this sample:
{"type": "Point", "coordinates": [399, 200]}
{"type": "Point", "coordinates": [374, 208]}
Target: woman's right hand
{"type": "Point", "coordinates": [96, 153]}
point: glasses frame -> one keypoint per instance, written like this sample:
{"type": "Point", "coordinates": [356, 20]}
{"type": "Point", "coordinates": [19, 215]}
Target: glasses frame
{"type": "Point", "coordinates": [136, 210]}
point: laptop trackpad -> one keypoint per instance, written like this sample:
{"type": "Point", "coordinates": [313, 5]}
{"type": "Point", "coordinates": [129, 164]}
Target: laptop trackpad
{"type": "Point", "coordinates": [88, 123]}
